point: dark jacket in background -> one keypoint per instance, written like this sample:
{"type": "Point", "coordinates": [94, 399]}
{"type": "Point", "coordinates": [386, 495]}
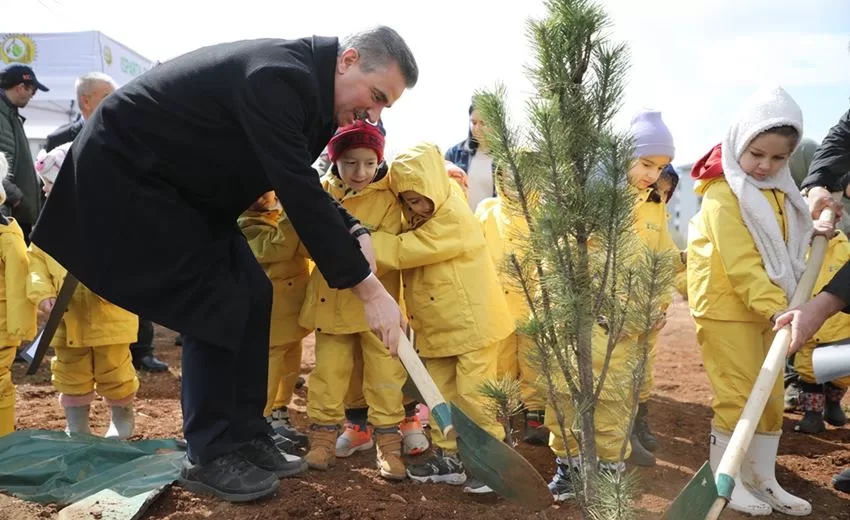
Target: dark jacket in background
{"type": "Point", "coordinates": [64, 134]}
{"type": "Point", "coordinates": [22, 185]}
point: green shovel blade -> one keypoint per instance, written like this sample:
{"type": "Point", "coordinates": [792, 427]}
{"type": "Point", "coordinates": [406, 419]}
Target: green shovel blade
{"type": "Point", "coordinates": [694, 502]}
{"type": "Point", "coordinates": [494, 463]}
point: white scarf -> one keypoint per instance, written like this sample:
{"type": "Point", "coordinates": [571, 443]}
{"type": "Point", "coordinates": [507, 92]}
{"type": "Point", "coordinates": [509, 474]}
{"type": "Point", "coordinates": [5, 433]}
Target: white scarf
{"type": "Point", "coordinates": [784, 260]}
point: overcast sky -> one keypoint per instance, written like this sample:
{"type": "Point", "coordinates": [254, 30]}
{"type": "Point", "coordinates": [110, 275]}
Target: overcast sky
{"type": "Point", "coordinates": [693, 60]}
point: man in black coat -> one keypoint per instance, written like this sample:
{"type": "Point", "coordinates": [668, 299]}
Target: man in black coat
{"type": "Point", "coordinates": [144, 213]}
{"type": "Point", "coordinates": [829, 172]}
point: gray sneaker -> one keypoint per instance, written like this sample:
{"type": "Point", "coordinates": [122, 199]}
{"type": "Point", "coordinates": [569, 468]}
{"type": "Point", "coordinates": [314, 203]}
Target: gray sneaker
{"type": "Point", "coordinates": [229, 477]}
{"type": "Point", "coordinates": [263, 453]}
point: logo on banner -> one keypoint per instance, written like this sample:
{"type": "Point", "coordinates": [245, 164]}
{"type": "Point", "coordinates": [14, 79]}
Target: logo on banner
{"type": "Point", "coordinates": [107, 55]}
{"type": "Point", "coordinates": [17, 48]}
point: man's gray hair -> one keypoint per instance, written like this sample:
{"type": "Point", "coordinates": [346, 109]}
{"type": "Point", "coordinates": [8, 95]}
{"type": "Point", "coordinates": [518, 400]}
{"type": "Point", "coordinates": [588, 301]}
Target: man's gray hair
{"type": "Point", "coordinates": [378, 48]}
{"type": "Point", "coordinates": [86, 82]}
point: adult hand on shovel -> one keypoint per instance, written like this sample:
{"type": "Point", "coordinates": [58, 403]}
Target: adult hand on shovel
{"type": "Point", "coordinates": [382, 311]}
{"type": "Point", "coordinates": [808, 318]}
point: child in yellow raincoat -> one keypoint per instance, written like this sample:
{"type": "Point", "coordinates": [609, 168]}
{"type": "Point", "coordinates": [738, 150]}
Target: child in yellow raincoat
{"type": "Point", "coordinates": [338, 318]}
{"type": "Point", "coordinates": [276, 245]}
{"type": "Point", "coordinates": [823, 402]}
{"type": "Point", "coordinates": [92, 344]}
{"type": "Point", "coordinates": [505, 232]}
{"type": "Point", "coordinates": [452, 295]}
{"type": "Point", "coordinates": [17, 313]}
{"type": "Point", "coordinates": [746, 252]}
{"type": "Point", "coordinates": [653, 149]}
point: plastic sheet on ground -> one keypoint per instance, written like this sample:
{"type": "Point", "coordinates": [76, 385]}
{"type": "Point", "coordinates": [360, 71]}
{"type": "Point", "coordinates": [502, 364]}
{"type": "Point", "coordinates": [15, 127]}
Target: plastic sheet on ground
{"type": "Point", "coordinates": [51, 467]}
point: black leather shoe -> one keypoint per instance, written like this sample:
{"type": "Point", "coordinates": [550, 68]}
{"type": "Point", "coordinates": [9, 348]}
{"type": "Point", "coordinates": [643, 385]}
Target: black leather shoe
{"type": "Point", "coordinates": [229, 477]}
{"type": "Point", "coordinates": [150, 364]}
{"type": "Point", "coordinates": [263, 453]}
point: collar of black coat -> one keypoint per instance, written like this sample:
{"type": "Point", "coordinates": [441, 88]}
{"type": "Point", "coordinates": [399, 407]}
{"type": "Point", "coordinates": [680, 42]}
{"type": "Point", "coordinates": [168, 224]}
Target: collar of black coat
{"type": "Point", "coordinates": [325, 51]}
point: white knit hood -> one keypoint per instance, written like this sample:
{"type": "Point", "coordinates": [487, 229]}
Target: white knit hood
{"type": "Point", "coordinates": [784, 259]}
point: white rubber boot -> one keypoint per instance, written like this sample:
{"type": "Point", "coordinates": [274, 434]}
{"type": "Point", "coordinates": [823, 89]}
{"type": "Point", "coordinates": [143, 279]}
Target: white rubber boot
{"type": "Point", "coordinates": [77, 420]}
{"type": "Point", "coordinates": [742, 500]}
{"type": "Point", "coordinates": [77, 409]}
{"type": "Point", "coordinates": [759, 475]}
{"type": "Point", "coordinates": [122, 422]}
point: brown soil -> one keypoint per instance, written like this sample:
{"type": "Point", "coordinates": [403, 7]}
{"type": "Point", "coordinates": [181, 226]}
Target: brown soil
{"type": "Point", "coordinates": [679, 412]}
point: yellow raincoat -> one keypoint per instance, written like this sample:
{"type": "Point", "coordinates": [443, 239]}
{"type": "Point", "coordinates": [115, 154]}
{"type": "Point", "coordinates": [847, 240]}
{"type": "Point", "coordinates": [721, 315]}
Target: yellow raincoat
{"type": "Point", "coordinates": [341, 326]}
{"type": "Point", "coordinates": [613, 411]}
{"type": "Point", "coordinates": [92, 343]}
{"type": "Point", "coordinates": [276, 245]}
{"type": "Point", "coordinates": [835, 328]}
{"type": "Point", "coordinates": [453, 296]}
{"type": "Point", "coordinates": [732, 300]}
{"type": "Point", "coordinates": [17, 314]}
{"type": "Point", "coordinates": [505, 233]}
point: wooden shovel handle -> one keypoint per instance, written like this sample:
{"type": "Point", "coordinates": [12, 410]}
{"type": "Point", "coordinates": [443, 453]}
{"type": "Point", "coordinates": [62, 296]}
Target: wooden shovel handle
{"type": "Point", "coordinates": [773, 364]}
{"type": "Point", "coordinates": [440, 410]}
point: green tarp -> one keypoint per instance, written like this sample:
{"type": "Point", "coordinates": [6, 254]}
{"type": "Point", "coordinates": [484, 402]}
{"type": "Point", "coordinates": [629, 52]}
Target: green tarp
{"type": "Point", "coordinates": [51, 467]}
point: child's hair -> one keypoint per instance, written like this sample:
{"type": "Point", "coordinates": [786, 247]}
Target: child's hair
{"type": "Point", "coordinates": [784, 131]}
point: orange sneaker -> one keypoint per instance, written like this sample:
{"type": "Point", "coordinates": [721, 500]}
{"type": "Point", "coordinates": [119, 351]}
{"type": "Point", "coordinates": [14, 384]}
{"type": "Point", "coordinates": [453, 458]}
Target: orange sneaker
{"type": "Point", "coordinates": [353, 439]}
{"type": "Point", "coordinates": [414, 439]}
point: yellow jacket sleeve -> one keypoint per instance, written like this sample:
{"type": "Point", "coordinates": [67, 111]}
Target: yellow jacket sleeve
{"type": "Point", "coordinates": [20, 312]}
{"type": "Point", "coordinates": [741, 259]}
{"type": "Point", "coordinates": [39, 283]}
{"type": "Point", "coordinates": [441, 238]}
{"type": "Point", "coordinates": [266, 239]}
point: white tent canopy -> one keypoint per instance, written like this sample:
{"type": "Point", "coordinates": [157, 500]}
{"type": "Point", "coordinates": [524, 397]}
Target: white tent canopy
{"type": "Point", "coordinates": [58, 59]}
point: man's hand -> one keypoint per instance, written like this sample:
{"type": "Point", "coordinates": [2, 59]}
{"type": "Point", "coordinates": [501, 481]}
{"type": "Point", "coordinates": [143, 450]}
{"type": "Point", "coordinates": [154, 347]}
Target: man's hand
{"type": "Point", "coordinates": [819, 198]}
{"type": "Point", "coordinates": [382, 312]}
{"type": "Point", "coordinates": [806, 319]}
{"type": "Point", "coordinates": [366, 248]}
{"type": "Point", "coordinates": [46, 306]}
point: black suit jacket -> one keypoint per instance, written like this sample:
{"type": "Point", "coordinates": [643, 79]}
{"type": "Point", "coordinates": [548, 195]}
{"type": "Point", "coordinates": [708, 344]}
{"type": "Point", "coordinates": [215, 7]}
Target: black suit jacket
{"type": "Point", "coordinates": [64, 134]}
{"type": "Point", "coordinates": [144, 209]}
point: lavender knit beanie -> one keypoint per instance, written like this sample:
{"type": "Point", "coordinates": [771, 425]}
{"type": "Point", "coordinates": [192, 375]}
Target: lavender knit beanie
{"type": "Point", "coordinates": [651, 136]}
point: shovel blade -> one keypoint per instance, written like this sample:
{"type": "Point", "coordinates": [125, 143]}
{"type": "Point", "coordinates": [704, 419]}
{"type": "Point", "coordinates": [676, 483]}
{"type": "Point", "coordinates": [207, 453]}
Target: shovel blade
{"type": "Point", "coordinates": [696, 499]}
{"type": "Point", "coordinates": [494, 463]}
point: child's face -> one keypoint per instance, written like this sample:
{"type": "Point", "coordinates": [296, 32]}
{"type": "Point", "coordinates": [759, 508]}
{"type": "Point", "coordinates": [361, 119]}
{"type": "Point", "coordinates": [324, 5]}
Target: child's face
{"type": "Point", "coordinates": [357, 167]}
{"type": "Point", "coordinates": [418, 204]}
{"type": "Point", "coordinates": [646, 170]}
{"type": "Point", "coordinates": [765, 155]}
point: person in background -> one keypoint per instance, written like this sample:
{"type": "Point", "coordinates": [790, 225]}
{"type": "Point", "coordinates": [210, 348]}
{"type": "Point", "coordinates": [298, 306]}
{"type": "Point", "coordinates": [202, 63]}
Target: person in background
{"type": "Point", "coordinates": [472, 156]}
{"type": "Point", "coordinates": [18, 85]}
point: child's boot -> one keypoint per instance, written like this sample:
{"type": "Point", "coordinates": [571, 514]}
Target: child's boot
{"type": "Point", "coordinates": [77, 409]}
{"type": "Point", "coordinates": [388, 442]}
{"type": "Point", "coordinates": [642, 431]}
{"type": "Point", "coordinates": [413, 436]}
{"type": "Point", "coordinates": [832, 412]}
{"type": "Point", "coordinates": [742, 500]}
{"type": "Point", "coordinates": [640, 455]}
{"type": "Point", "coordinates": [282, 426]}
{"type": "Point", "coordinates": [758, 472]}
{"type": "Point", "coordinates": [322, 453]}
{"type": "Point", "coordinates": [123, 419]}
{"type": "Point", "coordinates": [357, 435]}
{"type": "Point", "coordinates": [566, 483]}
{"type": "Point", "coordinates": [811, 403]}
{"type": "Point", "coordinates": [536, 433]}
{"type": "Point", "coordinates": [792, 395]}
{"type": "Point", "coordinates": [440, 467]}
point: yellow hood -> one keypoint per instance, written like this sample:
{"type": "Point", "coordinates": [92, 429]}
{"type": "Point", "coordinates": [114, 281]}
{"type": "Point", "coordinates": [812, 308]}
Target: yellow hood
{"type": "Point", "coordinates": [421, 169]}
